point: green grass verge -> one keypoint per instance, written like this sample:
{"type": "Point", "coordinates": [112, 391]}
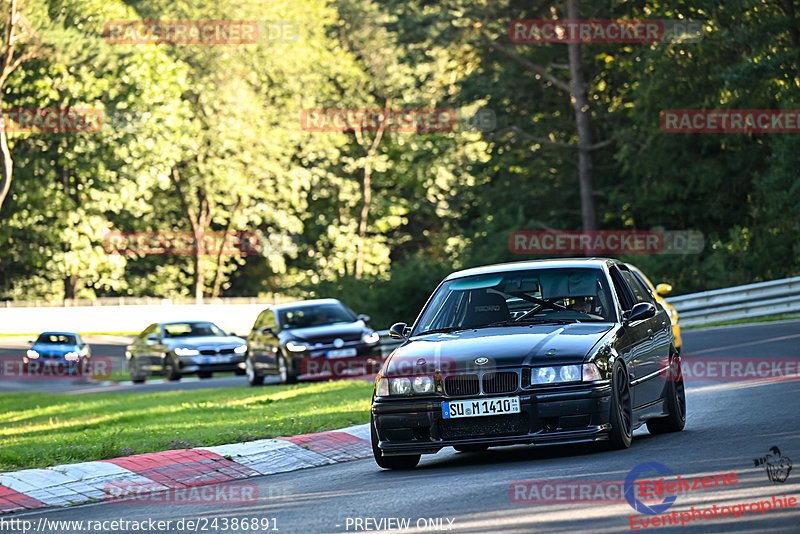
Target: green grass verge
{"type": "Point", "coordinates": [40, 430]}
{"type": "Point", "coordinates": [765, 319]}
{"type": "Point", "coordinates": [125, 376]}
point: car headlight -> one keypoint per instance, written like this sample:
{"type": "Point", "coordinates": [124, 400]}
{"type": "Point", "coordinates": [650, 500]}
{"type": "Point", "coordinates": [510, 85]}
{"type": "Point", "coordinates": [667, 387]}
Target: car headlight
{"type": "Point", "coordinates": [241, 349]}
{"type": "Point", "coordinates": [372, 337]}
{"type": "Point", "coordinates": [71, 356]}
{"type": "Point", "coordinates": [32, 354]}
{"type": "Point", "coordinates": [559, 374]}
{"type": "Point", "coordinates": [180, 351]}
{"type": "Point", "coordinates": [422, 385]}
{"type": "Point", "coordinates": [296, 347]}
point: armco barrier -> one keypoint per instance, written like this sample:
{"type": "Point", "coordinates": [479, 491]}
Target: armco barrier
{"type": "Point", "coordinates": [739, 302]}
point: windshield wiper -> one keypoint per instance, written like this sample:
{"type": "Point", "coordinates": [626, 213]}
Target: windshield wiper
{"type": "Point", "coordinates": [444, 330]}
{"type": "Point", "coordinates": [531, 320]}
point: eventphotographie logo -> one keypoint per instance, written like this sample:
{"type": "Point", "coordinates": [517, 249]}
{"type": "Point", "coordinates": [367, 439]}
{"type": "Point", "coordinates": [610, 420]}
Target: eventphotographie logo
{"type": "Point", "coordinates": [777, 465]}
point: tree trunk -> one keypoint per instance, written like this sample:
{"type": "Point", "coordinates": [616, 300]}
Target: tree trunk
{"type": "Point", "coordinates": [217, 283]}
{"type": "Point", "coordinates": [366, 192]}
{"type": "Point", "coordinates": [7, 165]}
{"type": "Point", "coordinates": [580, 103]}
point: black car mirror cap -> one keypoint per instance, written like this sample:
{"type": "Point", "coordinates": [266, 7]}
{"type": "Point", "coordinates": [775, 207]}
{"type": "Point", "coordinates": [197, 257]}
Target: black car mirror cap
{"type": "Point", "coordinates": [398, 331]}
{"type": "Point", "coordinates": [267, 330]}
{"type": "Point", "coordinates": [640, 312]}
{"type": "Point", "coordinates": [363, 317]}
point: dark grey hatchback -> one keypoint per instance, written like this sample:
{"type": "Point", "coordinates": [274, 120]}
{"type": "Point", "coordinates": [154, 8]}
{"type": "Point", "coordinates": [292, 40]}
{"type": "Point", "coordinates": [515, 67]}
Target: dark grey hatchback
{"type": "Point", "coordinates": [185, 347]}
{"type": "Point", "coordinates": [311, 340]}
{"type": "Point", "coordinates": [544, 352]}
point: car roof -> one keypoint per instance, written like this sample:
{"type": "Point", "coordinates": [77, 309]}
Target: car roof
{"type": "Point", "coordinates": [597, 263]}
{"type": "Point", "coordinates": [297, 303]}
{"type": "Point", "coordinates": [186, 322]}
{"type": "Point", "coordinates": [59, 334]}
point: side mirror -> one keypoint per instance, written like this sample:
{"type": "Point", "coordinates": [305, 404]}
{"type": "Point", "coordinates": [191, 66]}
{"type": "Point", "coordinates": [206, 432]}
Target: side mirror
{"type": "Point", "coordinates": [152, 337]}
{"type": "Point", "coordinates": [640, 312]}
{"type": "Point", "coordinates": [663, 289]}
{"type": "Point", "coordinates": [267, 330]}
{"type": "Point", "coordinates": [31, 342]}
{"type": "Point", "coordinates": [232, 334]}
{"type": "Point", "coordinates": [398, 331]}
{"type": "Point", "coordinates": [362, 317]}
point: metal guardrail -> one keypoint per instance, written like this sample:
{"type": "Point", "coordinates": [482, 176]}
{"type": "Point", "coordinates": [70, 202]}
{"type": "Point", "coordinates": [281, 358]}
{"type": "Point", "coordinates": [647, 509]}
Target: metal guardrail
{"type": "Point", "coordinates": [388, 344]}
{"type": "Point", "coordinates": [739, 302]}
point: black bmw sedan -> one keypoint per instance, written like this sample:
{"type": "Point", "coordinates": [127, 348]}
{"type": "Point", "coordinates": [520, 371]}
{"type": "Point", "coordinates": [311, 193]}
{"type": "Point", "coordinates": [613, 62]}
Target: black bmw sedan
{"type": "Point", "coordinates": [178, 348]}
{"type": "Point", "coordinates": [545, 352]}
{"type": "Point", "coordinates": [311, 340]}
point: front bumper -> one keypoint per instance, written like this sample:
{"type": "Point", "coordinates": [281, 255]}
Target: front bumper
{"type": "Point", "coordinates": [193, 364]}
{"type": "Point", "coordinates": [556, 416]}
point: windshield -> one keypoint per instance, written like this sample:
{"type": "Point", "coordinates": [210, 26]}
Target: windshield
{"type": "Point", "coordinates": [315, 315]}
{"type": "Point", "coordinates": [57, 339]}
{"type": "Point", "coordinates": [192, 330]}
{"type": "Point", "coordinates": [518, 297]}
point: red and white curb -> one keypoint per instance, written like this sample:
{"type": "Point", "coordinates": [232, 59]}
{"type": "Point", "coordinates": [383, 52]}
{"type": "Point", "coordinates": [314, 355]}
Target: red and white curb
{"type": "Point", "coordinates": [70, 484]}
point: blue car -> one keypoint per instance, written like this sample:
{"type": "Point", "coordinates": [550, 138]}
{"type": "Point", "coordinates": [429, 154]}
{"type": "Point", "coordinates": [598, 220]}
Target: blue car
{"type": "Point", "coordinates": [64, 349]}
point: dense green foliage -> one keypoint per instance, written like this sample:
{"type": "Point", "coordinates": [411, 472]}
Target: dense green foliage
{"type": "Point", "coordinates": [210, 136]}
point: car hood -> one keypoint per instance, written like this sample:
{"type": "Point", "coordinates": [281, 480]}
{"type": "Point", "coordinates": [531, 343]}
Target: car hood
{"type": "Point", "coordinates": [54, 349]}
{"type": "Point", "coordinates": [314, 332]}
{"type": "Point", "coordinates": [204, 341]}
{"type": "Point", "coordinates": [501, 347]}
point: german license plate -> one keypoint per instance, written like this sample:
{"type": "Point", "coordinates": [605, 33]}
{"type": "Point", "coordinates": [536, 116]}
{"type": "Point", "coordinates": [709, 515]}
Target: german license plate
{"type": "Point", "coordinates": [217, 359]}
{"type": "Point", "coordinates": [480, 407]}
{"type": "Point", "coordinates": [342, 353]}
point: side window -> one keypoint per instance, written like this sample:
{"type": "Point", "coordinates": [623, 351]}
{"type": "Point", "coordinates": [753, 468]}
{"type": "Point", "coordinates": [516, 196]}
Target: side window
{"type": "Point", "coordinates": [269, 320]}
{"type": "Point", "coordinates": [640, 293]}
{"type": "Point", "coordinates": [621, 289]}
{"type": "Point", "coordinates": [260, 320]}
{"type": "Point", "coordinates": [152, 329]}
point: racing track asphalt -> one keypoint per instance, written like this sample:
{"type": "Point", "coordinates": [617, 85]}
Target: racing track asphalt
{"type": "Point", "coordinates": [729, 425]}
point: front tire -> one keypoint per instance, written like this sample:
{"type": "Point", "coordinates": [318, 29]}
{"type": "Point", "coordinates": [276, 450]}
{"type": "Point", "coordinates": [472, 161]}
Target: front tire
{"type": "Point", "coordinates": [134, 368]}
{"type": "Point", "coordinates": [621, 411]}
{"type": "Point", "coordinates": [674, 401]}
{"type": "Point", "coordinates": [409, 461]}
{"type": "Point", "coordinates": [172, 368]}
{"type": "Point", "coordinates": [253, 378]}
